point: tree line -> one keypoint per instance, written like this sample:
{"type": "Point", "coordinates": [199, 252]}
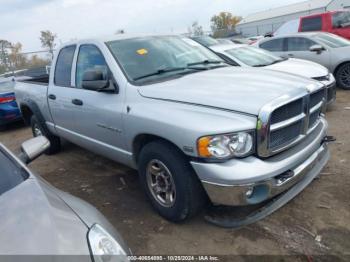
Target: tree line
{"type": "Point", "coordinates": [222, 25]}
{"type": "Point", "coordinates": [12, 58]}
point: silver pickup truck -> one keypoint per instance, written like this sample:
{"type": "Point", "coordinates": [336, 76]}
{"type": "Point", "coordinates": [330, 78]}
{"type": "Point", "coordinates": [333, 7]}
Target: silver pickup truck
{"type": "Point", "coordinates": [195, 128]}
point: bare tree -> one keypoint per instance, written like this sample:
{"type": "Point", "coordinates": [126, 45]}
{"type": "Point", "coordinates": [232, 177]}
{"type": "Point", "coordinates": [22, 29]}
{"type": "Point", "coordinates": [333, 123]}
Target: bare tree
{"type": "Point", "coordinates": [4, 57]}
{"type": "Point", "coordinates": [47, 39]}
{"type": "Point", "coordinates": [195, 29]}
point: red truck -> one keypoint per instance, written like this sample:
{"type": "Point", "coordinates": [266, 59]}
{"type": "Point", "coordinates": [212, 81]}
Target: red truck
{"type": "Point", "coordinates": [335, 22]}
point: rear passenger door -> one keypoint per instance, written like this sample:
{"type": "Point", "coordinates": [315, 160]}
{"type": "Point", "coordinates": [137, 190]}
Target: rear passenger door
{"type": "Point", "coordinates": [276, 46]}
{"type": "Point", "coordinates": [299, 47]}
{"type": "Point", "coordinates": [60, 92]}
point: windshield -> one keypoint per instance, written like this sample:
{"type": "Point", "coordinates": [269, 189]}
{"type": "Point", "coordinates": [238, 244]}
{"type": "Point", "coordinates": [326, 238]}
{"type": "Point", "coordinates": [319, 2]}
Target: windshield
{"type": "Point", "coordinates": [253, 56]}
{"type": "Point", "coordinates": [153, 58]}
{"type": "Point", "coordinates": [6, 85]}
{"type": "Point", "coordinates": [11, 175]}
{"type": "Point", "coordinates": [206, 40]}
{"type": "Point", "coordinates": [341, 19]}
{"type": "Point", "coordinates": [332, 41]}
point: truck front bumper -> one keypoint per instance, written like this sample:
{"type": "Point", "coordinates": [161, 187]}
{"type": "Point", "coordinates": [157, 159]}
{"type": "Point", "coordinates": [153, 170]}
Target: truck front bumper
{"type": "Point", "coordinates": [252, 180]}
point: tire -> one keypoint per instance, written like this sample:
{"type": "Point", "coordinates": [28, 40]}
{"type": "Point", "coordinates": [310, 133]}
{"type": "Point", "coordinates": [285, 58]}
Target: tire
{"type": "Point", "coordinates": [343, 76]}
{"type": "Point", "coordinates": [189, 196]}
{"type": "Point", "coordinates": [38, 129]}
{"type": "Point", "coordinates": [2, 128]}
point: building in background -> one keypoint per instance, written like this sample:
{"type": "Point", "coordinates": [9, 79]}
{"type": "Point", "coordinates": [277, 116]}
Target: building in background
{"type": "Point", "coordinates": [269, 21]}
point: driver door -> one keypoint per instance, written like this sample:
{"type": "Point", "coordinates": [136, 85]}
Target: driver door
{"type": "Point", "coordinates": [98, 114]}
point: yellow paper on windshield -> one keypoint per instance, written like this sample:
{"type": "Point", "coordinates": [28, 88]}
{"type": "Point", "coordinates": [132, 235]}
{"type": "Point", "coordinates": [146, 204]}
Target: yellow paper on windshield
{"type": "Point", "coordinates": [142, 51]}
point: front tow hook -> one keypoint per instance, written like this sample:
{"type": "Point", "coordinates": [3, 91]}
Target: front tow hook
{"type": "Point", "coordinates": [328, 139]}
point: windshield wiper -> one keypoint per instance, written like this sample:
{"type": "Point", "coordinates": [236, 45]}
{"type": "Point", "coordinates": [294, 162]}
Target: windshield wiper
{"type": "Point", "coordinates": [205, 62]}
{"type": "Point", "coordinates": [161, 71]}
{"type": "Point", "coordinates": [167, 70]}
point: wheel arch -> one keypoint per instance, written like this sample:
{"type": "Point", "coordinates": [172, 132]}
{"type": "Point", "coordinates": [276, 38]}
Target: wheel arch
{"type": "Point", "coordinates": [142, 140]}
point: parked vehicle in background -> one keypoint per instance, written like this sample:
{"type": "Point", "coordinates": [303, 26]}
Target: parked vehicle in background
{"type": "Point", "coordinates": [238, 40]}
{"type": "Point", "coordinates": [38, 219]}
{"type": "Point", "coordinates": [329, 50]}
{"type": "Point", "coordinates": [335, 22]}
{"type": "Point", "coordinates": [205, 40]}
{"type": "Point", "coordinates": [191, 124]}
{"type": "Point", "coordinates": [254, 39]}
{"type": "Point", "coordinates": [223, 41]}
{"type": "Point", "coordinates": [9, 111]}
{"type": "Point", "coordinates": [249, 56]}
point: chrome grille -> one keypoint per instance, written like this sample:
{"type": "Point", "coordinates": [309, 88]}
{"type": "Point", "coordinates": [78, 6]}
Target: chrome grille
{"type": "Point", "coordinates": [287, 123]}
{"type": "Point", "coordinates": [285, 112]}
{"type": "Point", "coordinates": [286, 135]}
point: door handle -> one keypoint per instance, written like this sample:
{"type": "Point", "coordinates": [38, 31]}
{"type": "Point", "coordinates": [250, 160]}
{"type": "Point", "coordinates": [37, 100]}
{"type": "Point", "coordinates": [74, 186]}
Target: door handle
{"type": "Point", "coordinates": [290, 55]}
{"type": "Point", "coordinates": [77, 102]}
{"type": "Point", "coordinates": [52, 97]}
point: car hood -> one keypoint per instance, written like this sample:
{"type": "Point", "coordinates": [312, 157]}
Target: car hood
{"type": "Point", "coordinates": [300, 67]}
{"type": "Point", "coordinates": [35, 221]}
{"type": "Point", "coordinates": [244, 90]}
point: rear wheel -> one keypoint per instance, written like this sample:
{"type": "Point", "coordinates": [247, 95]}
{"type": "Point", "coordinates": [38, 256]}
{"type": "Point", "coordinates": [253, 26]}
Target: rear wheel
{"type": "Point", "coordinates": [39, 130]}
{"type": "Point", "coordinates": [170, 182]}
{"type": "Point", "coordinates": [2, 127]}
{"type": "Point", "coordinates": [343, 76]}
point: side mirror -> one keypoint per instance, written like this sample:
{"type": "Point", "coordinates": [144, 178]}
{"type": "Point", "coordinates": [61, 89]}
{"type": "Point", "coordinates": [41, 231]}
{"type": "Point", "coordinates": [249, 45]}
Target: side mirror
{"type": "Point", "coordinates": [317, 48]}
{"type": "Point", "coordinates": [94, 80]}
{"type": "Point", "coordinates": [33, 148]}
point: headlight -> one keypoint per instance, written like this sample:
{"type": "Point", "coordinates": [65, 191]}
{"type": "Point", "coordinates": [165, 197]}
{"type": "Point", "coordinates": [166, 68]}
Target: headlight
{"type": "Point", "coordinates": [226, 146]}
{"type": "Point", "coordinates": [104, 247]}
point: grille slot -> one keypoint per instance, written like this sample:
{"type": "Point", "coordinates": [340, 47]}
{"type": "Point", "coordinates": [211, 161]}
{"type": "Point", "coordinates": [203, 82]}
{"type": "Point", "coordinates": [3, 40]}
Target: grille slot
{"type": "Point", "coordinates": [330, 93]}
{"type": "Point", "coordinates": [316, 98]}
{"type": "Point", "coordinates": [287, 111]}
{"type": "Point", "coordinates": [314, 117]}
{"type": "Point", "coordinates": [286, 135]}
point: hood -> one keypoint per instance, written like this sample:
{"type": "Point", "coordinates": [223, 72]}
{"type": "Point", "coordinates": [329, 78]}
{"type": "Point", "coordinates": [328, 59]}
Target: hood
{"type": "Point", "coordinates": [300, 67]}
{"type": "Point", "coordinates": [34, 220]}
{"type": "Point", "coordinates": [244, 90]}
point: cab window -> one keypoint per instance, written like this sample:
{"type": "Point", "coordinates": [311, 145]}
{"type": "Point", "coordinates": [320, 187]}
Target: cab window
{"type": "Point", "coordinates": [89, 58]}
{"type": "Point", "coordinates": [63, 67]}
{"type": "Point", "coordinates": [299, 44]}
{"type": "Point", "coordinates": [275, 45]}
{"type": "Point", "coordinates": [311, 24]}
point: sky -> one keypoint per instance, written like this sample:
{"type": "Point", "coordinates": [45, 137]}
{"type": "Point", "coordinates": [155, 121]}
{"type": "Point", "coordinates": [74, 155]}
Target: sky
{"type": "Point", "coordinates": [22, 20]}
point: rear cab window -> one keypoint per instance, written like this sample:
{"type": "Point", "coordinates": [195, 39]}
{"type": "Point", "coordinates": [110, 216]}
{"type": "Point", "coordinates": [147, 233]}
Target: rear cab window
{"type": "Point", "coordinates": [275, 45]}
{"type": "Point", "coordinates": [11, 174]}
{"type": "Point", "coordinates": [311, 24]}
{"type": "Point", "coordinates": [63, 67]}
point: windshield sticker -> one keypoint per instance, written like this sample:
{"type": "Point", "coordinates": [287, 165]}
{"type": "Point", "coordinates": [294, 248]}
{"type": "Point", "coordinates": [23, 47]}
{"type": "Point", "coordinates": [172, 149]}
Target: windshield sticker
{"type": "Point", "coordinates": [142, 51]}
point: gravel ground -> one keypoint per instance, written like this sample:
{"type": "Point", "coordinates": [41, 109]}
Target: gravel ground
{"type": "Point", "coordinates": [314, 224]}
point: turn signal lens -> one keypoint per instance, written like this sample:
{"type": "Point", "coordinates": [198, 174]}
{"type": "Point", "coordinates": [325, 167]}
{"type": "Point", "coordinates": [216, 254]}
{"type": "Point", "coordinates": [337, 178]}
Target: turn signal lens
{"type": "Point", "coordinates": [203, 145]}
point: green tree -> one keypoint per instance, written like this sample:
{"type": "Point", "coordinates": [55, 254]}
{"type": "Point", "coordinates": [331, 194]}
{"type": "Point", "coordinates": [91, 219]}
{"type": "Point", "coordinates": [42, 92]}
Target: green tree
{"type": "Point", "coordinates": [47, 39]}
{"type": "Point", "coordinates": [195, 29]}
{"type": "Point", "coordinates": [224, 23]}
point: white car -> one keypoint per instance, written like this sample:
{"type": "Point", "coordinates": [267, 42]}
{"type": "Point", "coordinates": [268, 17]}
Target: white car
{"type": "Point", "coordinates": [249, 56]}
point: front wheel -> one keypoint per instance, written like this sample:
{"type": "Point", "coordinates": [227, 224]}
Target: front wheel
{"type": "Point", "coordinates": [170, 182]}
{"type": "Point", "coordinates": [343, 76]}
{"type": "Point", "coordinates": [39, 130]}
